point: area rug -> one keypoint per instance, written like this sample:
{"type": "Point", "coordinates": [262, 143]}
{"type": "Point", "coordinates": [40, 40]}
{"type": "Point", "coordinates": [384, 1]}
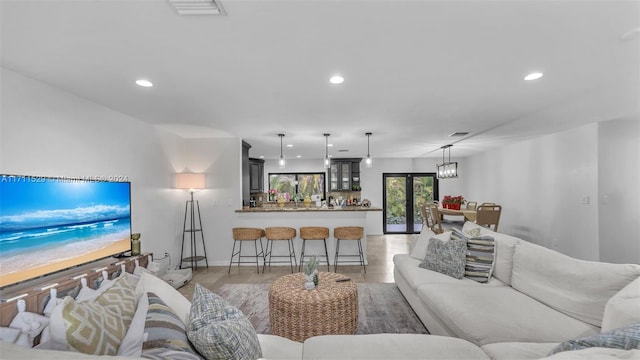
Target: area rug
{"type": "Point", "coordinates": [382, 308]}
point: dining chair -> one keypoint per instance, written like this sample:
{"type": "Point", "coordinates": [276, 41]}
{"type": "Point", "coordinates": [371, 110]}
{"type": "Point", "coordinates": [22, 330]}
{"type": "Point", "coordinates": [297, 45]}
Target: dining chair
{"type": "Point", "coordinates": [488, 215]}
{"type": "Point", "coordinates": [431, 217]}
{"type": "Point", "coordinates": [426, 216]}
{"type": "Point", "coordinates": [471, 205]}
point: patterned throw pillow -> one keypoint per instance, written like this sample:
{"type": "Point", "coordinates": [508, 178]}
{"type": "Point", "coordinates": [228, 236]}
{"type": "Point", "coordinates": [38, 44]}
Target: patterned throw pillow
{"type": "Point", "coordinates": [120, 299]}
{"type": "Point", "coordinates": [480, 255]}
{"type": "Point", "coordinates": [95, 327]}
{"type": "Point", "coordinates": [446, 257]}
{"type": "Point", "coordinates": [625, 338]}
{"type": "Point", "coordinates": [89, 328]}
{"type": "Point", "coordinates": [165, 333]}
{"type": "Point", "coordinates": [219, 330]}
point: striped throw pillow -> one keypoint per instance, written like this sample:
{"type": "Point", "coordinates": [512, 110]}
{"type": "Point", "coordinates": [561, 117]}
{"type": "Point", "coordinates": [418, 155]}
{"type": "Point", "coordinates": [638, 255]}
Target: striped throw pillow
{"type": "Point", "coordinates": [481, 253]}
{"type": "Point", "coordinates": [166, 336]}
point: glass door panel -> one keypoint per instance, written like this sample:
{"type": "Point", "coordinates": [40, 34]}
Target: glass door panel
{"type": "Point", "coordinates": [395, 204]}
{"type": "Point", "coordinates": [403, 195]}
{"type": "Point", "coordinates": [422, 193]}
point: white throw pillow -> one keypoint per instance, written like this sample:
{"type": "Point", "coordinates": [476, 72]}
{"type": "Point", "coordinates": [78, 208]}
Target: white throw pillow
{"type": "Point", "coordinates": [420, 248]}
{"type": "Point", "coordinates": [30, 324]}
{"type": "Point", "coordinates": [132, 343]}
{"type": "Point", "coordinates": [623, 308]}
{"type": "Point", "coordinates": [87, 294]}
{"type": "Point", "coordinates": [9, 334]}
{"type": "Point", "coordinates": [176, 301]}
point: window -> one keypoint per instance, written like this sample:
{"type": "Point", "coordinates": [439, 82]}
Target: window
{"type": "Point", "coordinates": [303, 184]}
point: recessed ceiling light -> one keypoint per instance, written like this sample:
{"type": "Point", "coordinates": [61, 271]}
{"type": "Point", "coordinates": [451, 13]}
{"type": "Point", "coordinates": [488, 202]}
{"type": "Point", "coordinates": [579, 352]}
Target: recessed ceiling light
{"type": "Point", "coordinates": [298, 156]}
{"type": "Point", "coordinates": [533, 76]}
{"type": "Point", "coordinates": [261, 156]}
{"type": "Point", "coordinates": [336, 79]}
{"type": "Point", "coordinates": [289, 145]}
{"type": "Point", "coordinates": [329, 145]}
{"type": "Point", "coordinates": [144, 83]}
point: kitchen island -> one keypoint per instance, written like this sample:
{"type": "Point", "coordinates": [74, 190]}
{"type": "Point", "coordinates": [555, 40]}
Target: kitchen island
{"type": "Point", "coordinates": [296, 217]}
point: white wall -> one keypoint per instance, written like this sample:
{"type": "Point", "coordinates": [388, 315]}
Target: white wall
{"type": "Point", "coordinates": [47, 131]}
{"type": "Point", "coordinates": [619, 190]}
{"type": "Point", "coordinates": [220, 160]}
{"type": "Point", "coordinates": [542, 185]}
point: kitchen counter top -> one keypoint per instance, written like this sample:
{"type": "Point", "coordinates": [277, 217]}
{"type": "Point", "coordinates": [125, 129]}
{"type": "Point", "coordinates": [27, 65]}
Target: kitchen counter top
{"type": "Point", "coordinates": [287, 209]}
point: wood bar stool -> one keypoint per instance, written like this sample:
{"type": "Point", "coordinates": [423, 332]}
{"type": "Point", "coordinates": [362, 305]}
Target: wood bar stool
{"type": "Point", "coordinates": [247, 234]}
{"type": "Point", "coordinates": [278, 234]}
{"type": "Point", "coordinates": [314, 233]}
{"type": "Point", "coordinates": [349, 233]}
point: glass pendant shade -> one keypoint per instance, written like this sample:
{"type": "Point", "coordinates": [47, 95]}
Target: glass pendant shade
{"type": "Point", "coordinates": [281, 161]}
{"type": "Point", "coordinates": [327, 161]}
{"type": "Point", "coordinates": [368, 161]}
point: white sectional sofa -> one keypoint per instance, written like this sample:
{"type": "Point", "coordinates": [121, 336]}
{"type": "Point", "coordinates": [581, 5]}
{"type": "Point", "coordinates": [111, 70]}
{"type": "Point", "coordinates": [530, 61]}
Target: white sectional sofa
{"type": "Point", "coordinates": [536, 299]}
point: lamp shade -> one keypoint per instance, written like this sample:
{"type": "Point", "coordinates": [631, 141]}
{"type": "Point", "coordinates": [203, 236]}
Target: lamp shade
{"type": "Point", "coordinates": [190, 181]}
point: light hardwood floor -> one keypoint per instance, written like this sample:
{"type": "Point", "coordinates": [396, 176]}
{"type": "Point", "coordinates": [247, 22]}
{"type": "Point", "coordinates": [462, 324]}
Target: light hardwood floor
{"type": "Point", "coordinates": [380, 252]}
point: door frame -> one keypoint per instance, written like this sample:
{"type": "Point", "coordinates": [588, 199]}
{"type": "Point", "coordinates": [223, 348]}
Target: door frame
{"type": "Point", "coordinates": [409, 194]}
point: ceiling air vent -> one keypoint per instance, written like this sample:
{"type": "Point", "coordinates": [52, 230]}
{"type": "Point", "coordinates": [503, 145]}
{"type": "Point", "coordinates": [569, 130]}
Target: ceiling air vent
{"type": "Point", "coordinates": [198, 7]}
{"type": "Point", "coordinates": [459, 133]}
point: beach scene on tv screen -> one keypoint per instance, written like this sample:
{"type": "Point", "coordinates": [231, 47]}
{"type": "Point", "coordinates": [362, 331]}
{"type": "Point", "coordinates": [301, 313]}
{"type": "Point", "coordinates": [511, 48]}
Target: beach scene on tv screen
{"type": "Point", "coordinates": [50, 224]}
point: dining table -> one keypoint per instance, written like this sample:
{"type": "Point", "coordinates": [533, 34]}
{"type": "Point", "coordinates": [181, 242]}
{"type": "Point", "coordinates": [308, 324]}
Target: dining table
{"type": "Point", "coordinates": [469, 215]}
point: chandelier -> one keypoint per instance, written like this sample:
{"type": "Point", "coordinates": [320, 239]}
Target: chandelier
{"type": "Point", "coordinates": [448, 169]}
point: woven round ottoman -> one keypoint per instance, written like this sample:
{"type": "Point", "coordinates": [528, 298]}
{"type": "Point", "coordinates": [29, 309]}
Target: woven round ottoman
{"type": "Point", "coordinates": [298, 314]}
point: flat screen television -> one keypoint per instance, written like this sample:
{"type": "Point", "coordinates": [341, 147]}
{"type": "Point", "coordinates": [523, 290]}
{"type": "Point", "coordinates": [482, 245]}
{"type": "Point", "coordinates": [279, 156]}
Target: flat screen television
{"type": "Point", "coordinates": [51, 224]}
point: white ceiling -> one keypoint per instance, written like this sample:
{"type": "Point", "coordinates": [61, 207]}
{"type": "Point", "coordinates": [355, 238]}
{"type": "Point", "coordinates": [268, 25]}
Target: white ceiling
{"type": "Point", "coordinates": [415, 71]}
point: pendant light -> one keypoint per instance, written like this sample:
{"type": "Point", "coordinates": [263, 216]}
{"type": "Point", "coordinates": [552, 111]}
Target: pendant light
{"type": "Point", "coordinates": [281, 162]}
{"type": "Point", "coordinates": [327, 161]}
{"type": "Point", "coordinates": [448, 169]}
{"type": "Point", "coordinates": [368, 161]}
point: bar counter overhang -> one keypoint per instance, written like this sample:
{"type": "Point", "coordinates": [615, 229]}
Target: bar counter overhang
{"type": "Point", "coordinates": [297, 217]}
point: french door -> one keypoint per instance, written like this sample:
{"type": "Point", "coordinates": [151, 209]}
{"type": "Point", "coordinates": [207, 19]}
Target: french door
{"type": "Point", "coordinates": [403, 194]}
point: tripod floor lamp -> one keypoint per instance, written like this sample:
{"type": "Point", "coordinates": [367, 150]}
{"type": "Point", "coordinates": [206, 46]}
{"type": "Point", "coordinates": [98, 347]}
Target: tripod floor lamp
{"type": "Point", "coordinates": [192, 183]}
